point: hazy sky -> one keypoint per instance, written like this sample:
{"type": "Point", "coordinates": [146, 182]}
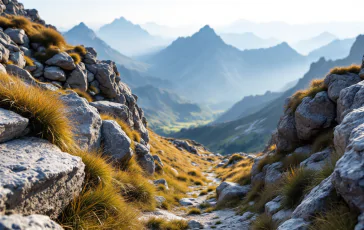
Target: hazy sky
{"type": "Point", "coordinates": [66, 13]}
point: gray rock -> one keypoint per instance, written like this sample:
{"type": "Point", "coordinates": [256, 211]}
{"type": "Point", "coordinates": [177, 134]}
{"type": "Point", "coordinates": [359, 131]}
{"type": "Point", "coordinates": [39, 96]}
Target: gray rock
{"type": "Point", "coordinates": [144, 158]}
{"type": "Point", "coordinates": [4, 54]}
{"type": "Point", "coordinates": [116, 142]}
{"type": "Point", "coordinates": [343, 131]}
{"type": "Point", "coordinates": [2, 69]}
{"type": "Point", "coordinates": [313, 115]}
{"type": "Point", "coordinates": [78, 78]}
{"type": "Point", "coordinates": [21, 73]}
{"type": "Point", "coordinates": [54, 73]}
{"type": "Point", "coordinates": [90, 77]}
{"type": "Point", "coordinates": [105, 75]}
{"type": "Point", "coordinates": [335, 83]}
{"type": "Point", "coordinates": [162, 182]}
{"type": "Point", "coordinates": [18, 36]}
{"type": "Point", "coordinates": [115, 109]}
{"type": "Point", "coordinates": [231, 193]}
{"type": "Point", "coordinates": [12, 125]}
{"type": "Point", "coordinates": [86, 120]}
{"type": "Point", "coordinates": [317, 160]}
{"type": "Point", "coordinates": [32, 222]}
{"type": "Point", "coordinates": [158, 159]}
{"type": "Point", "coordinates": [185, 145]}
{"type": "Point", "coordinates": [39, 69]}
{"type": "Point", "coordinates": [37, 177]}
{"type": "Point", "coordinates": [272, 173]}
{"type": "Point", "coordinates": [350, 98]}
{"type": "Point", "coordinates": [287, 133]}
{"type": "Point", "coordinates": [187, 201]}
{"type": "Point", "coordinates": [193, 224]}
{"type": "Point", "coordinates": [282, 215]}
{"type": "Point", "coordinates": [222, 186]}
{"type": "Point", "coordinates": [273, 206]}
{"type": "Point", "coordinates": [159, 200]}
{"type": "Point", "coordinates": [360, 224]}
{"type": "Point", "coordinates": [348, 177]}
{"type": "Point", "coordinates": [294, 224]}
{"type": "Point", "coordinates": [18, 59]}
{"type": "Point", "coordinates": [63, 60]}
{"type": "Point", "coordinates": [315, 201]}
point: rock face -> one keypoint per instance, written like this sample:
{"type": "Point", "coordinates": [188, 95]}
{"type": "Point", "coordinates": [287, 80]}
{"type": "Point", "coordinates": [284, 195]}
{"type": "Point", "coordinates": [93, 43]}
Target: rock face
{"type": "Point", "coordinates": [116, 142]}
{"type": "Point", "coordinates": [63, 60]}
{"type": "Point", "coordinates": [185, 145]}
{"type": "Point", "coordinates": [313, 115]}
{"type": "Point", "coordinates": [335, 83]}
{"type": "Point", "coordinates": [144, 158]}
{"type": "Point", "coordinates": [86, 121]}
{"type": "Point", "coordinates": [35, 176]}
{"type": "Point", "coordinates": [232, 192]}
{"type": "Point", "coordinates": [317, 160]}
{"type": "Point", "coordinates": [287, 133]}
{"type": "Point", "coordinates": [12, 125]}
{"type": "Point", "coordinates": [20, 222]}
{"type": "Point", "coordinates": [350, 98]}
{"type": "Point", "coordinates": [115, 109]}
{"type": "Point", "coordinates": [78, 78]}
{"type": "Point", "coordinates": [272, 173]}
{"type": "Point", "coordinates": [294, 224]}
{"type": "Point", "coordinates": [54, 73]}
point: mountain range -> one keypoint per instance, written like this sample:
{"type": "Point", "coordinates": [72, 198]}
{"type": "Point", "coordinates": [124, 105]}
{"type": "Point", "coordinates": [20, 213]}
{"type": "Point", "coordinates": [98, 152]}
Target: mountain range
{"type": "Point", "coordinates": [205, 69]}
{"type": "Point", "coordinates": [251, 133]}
{"type": "Point", "coordinates": [248, 40]}
{"type": "Point", "coordinates": [337, 49]}
{"type": "Point", "coordinates": [306, 46]}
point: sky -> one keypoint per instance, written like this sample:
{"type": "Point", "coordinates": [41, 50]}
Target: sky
{"type": "Point", "coordinates": [66, 13]}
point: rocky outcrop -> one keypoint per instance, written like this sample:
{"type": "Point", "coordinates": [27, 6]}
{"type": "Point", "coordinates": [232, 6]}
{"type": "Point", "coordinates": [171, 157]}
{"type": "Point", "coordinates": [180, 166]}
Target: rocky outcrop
{"type": "Point", "coordinates": [185, 145]}
{"type": "Point", "coordinates": [231, 192]}
{"type": "Point", "coordinates": [36, 177]}
{"type": "Point", "coordinates": [287, 134]}
{"type": "Point", "coordinates": [294, 224]}
{"type": "Point", "coordinates": [144, 158]}
{"type": "Point", "coordinates": [317, 160]}
{"type": "Point", "coordinates": [20, 222]}
{"type": "Point", "coordinates": [335, 83]}
{"type": "Point", "coordinates": [115, 109]}
{"type": "Point", "coordinates": [63, 60]}
{"type": "Point", "coordinates": [350, 98]}
{"type": "Point", "coordinates": [12, 125]}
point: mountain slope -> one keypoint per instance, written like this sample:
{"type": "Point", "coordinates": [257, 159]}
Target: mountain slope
{"type": "Point", "coordinates": [129, 38]}
{"type": "Point", "coordinates": [205, 69]}
{"type": "Point", "coordinates": [165, 110]}
{"type": "Point", "coordinates": [334, 50]}
{"type": "Point", "coordinates": [247, 41]}
{"type": "Point", "coordinates": [252, 132]}
{"type": "Point", "coordinates": [306, 46]}
{"type": "Point", "coordinates": [81, 34]}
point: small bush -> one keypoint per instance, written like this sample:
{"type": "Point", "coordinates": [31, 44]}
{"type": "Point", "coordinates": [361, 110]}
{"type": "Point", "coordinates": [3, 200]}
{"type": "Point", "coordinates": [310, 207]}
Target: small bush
{"type": "Point", "coordinates": [76, 58]}
{"type": "Point", "coordinates": [316, 86]}
{"type": "Point", "coordinates": [29, 61]}
{"type": "Point", "coordinates": [45, 111]}
{"type": "Point", "coordinates": [162, 224]}
{"type": "Point", "coordinates": [203, 193]}
{"type": "Point", "coordinates": [211, 188]}
{"type": "Point", "coordinates": [344, 70]}
{"type": "Point", "coordinates": [234, 158]}
{"type": "Point", "coordinates": [194, 211]}
{"type": "Point", "coordinates": [135, 188]}
{"type": "Point", "coordinates": [48, 37]}
{"type": "Point", "coordinates": [198, 182]}
{"type": "Point", "coordinates": [295, 185]}
{"type": "Point", "coordinates": [80, 50]}
{"type": "Point", "coordinates": [264, 222]}
{"type": "Point", "coordinates": [83, 94]}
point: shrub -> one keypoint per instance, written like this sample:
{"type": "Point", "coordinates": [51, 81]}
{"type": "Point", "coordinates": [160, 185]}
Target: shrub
{"type": "Point", "coordinates": [83, 94]}
{"type": "Point", "coordinates": [162, 224]}
{"type": "Point", "coordinates": [203, 193]}
{"type": "Point", "coordinates": [295, 185]}
{"type": "Point", "coordinates": [45, 111]}
{"type": "Point", "coordinates": [29, 61]}
{"type": "Point", "coordinates": [194, 173]}
{"type": "Point", "coordinates": [234, 158]}
{"type": "Point", "coordinates": [316, 86]}
{"type": "Point", "coordinates": [264, 222]}
{"type": "Point", "coordinates": [136, 189]}
{"type": "Point", "coordinates": [80, 50]}
{"type": "Point", "coordinates": [102, 208]}
{"type": "Point", "coordinates": [344, 70]}
{"type": "Point", "coordinates": [76, 58]}
{"type": "Point", "coordinates": [48, 37]}
{"type": "Point", "coordinates": [194, 211]}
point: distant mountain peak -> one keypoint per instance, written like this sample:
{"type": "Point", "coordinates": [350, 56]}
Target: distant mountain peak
{"type": "Point", "coordinates": [83, 30]}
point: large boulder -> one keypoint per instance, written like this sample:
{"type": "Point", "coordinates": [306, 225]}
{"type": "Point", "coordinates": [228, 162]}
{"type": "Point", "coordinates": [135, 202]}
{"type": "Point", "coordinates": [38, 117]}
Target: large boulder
{"type": "Point", "coordinates": [32, 222]}
{"type": "Point", "coordinates": [18, 59]}
{"type": "Point", "coordinates": [335, 83]}
{"type": "Point", "coordinates": [116, 142]}
{"type": "Point", "coordinates": [63, 60]}
{"type": "Point", "coordinates": [272, 173]}
{"type": "Point", "coordinates": [287, 133]}
{"type": "Point", "coordinates": [317, 160]}
{"type": "Point", "coordinates": [232, 192]}
{"type": "Point", "coordinates": [273, 206]}
{"type": "Point", "coordinates": [18, 36]}
{"type": "Point", "coordinates": [144, 158]}
{"type": "Point", "coordinates": [78, 78]}
{"type": "Point", "coordinates": [313, 115]}
{"type": "Point", "coordinates": [106, 76]}
{"type": "Point", "coordinates": [222, 186]}
{"type": "Point", "coordinates": [350, 98]}
{"type": "Point", "coordinates": [348, 177]}
{"type": "Point", "coordinates": [315, 201]}
{"type": "Point", "coordinates": [86, 120]}
{"type": "Point", "coordinates": [54, 73]}
{"type": "Point", "coordinates": [115, 109]}
{"type": "Point", "coordinates": [37, 177]}
{"type": "Point", "coordinates": [12, 125]}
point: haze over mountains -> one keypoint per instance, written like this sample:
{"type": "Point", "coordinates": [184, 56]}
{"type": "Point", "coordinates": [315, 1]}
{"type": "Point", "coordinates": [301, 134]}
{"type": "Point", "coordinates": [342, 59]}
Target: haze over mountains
{"type": "Point", "coordinates": [306, 46]}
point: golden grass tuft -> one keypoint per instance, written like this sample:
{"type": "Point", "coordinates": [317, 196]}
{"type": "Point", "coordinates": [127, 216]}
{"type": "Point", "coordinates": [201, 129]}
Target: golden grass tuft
{"type": "Point", "coordinates": [194, 211]}
{"type": "Point", "coordinates": [234, 158]}
{"type": "Point", "coordinates": [293, 160]}
{"type": "Point", "coordinates": [83, 94]}
{"type": "Point", "coordinates": [344, 70]}
{"type": "Point", "coordinates": [264, 222]}
{"type": "Point", "coordinates": [45, 111]}
{"type": "Point", "coordinates": [316, 86]}
{"type": "Point", "coordinates": [136, 189]}
{"type": "Point", "coordinates": [101, 208]}
{"type": "Point", "coordinates": [76, 58]}
{"type": "Point", "coordinates": [295, 185]}
{"type": "Point", "coordinates": [29, 61]}
{"type": "Point", "coordinates": [48, 37]}
{"type": "Point", "coordinates": [94, 89]}
{"type": "Point", "coordinates": [162, 224]}
{"type": "Point", "coordinates": [80, 50]}
{"type": "Point", "coordinates": [49, 53]}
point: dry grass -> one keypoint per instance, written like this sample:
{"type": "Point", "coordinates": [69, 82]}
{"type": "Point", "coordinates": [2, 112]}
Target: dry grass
{"type": "Point", "coordinates": [162, 224]}
{"type": "Point", "coordinates": [83, 94]}
{"type": "Point", "coordinates": [264, 222]}
{"type": "Point", "coordinates": [194, 211]}
{"type": "Point", "coordinates": [344, 70]}
{"type": "Point", "coordinates": [29, 61]}
{"type": "Point", "coordinates": [44, 109]}
{"type": "Point", "coordinates": [49, 53]}
{"type": "Point", "coordinates": [238, 173]}
{"type": "Point", "coordinates": [323, 140]}
{"type": "Point", "coordinates": [293, 160]}
{"type": "Point", "coordinates": [136, 189]}
{"type": "Point", "coordinates": [76, 58]}
{"type": "Point", "coordinates": [316, 86]}
{"type": "Point", "coordinates": [295, 184]}
{"type": "Point", "coordinates": [270, 159]}
{"type": "Point", "coordinates": [234, 158]}
{"type": "Point", "coordinates": [94, 89]}
{"type": "Point", "coordinates": [80, 50]}
{"type": "Point", "coordinates": [268, 193]}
